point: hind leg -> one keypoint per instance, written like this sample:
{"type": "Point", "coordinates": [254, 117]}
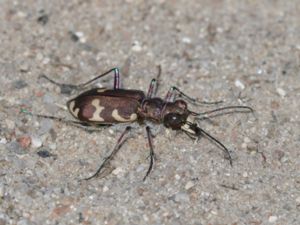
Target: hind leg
{"type": "Point", "coordinates": [69, 88]}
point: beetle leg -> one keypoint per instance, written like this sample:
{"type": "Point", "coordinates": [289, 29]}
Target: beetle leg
{"type": "Point", "coordinates": [68, 88]}
{"type": "Point", "coordinates": [222, 111]}
{"type": "Point", "coordinates": [157, 79]}
{"type": "Point", "coordinates": [117, 147]}
{"type": "Point", "coordinates": [154, 84]}
{"type": "Point", "coordinates": [170, 96]}
{"type": "Point", "coordinates": [64, 88]}
{"type": "Point", "coordinates": [174, 92]}
{"type": "Point", "coordinates": [152, 88]}
{"type": "Point", "coordinates": [211, 138]}
{"type": "Point", "coordinates": [152, 155]}
{"type": "Point", "coordinates": [63, 120]}
{"type": "Point", "coordinates": [116, 78]}
{"type": "Point", "coordinates": [83, 125]}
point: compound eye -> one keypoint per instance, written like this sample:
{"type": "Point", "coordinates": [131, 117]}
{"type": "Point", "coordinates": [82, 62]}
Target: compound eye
{"type": "Point", "coordinates": [174, 121]}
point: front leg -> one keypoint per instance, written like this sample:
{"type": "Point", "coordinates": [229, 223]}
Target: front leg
{"type": "Point", "coordinates": [152, 154]}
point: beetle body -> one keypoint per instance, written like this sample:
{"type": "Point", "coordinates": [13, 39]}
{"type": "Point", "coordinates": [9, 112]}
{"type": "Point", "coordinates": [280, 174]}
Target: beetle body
{"type": "Point", "coordinates": [112, 106]}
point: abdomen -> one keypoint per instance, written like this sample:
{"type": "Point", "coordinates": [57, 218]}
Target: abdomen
{"type": "Point", "coordinates": [102, 109]}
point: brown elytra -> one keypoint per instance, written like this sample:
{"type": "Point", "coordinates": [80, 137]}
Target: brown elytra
{"type": "Point", "coordinates": [106, 106]}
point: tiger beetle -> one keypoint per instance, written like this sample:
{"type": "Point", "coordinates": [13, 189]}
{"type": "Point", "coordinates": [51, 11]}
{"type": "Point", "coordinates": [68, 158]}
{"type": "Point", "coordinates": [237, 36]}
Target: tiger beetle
{"type": "Point", "coordinates": [107, 107]}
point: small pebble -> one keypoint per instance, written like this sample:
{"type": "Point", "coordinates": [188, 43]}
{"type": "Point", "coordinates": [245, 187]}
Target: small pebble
{"type": "Point", "coordinates": [245, 174]}
{"type": "Point", "coordinates": [252, 148]}
{"type": "Point", "coordinates": [21, 14]}
{"type": "Point", "coordinates": [136, 47]}
{"type": "Point", "coordinates": [73, 36]}
{"type": "Point", "coordinates": [44, 153]}
{"type": "Point", "coordinates": [140, 168]}
{"type": "Point", "coordinates": [273, 219]}
{"type": "Point", "coordinates": [81, 36]}
{"type": "Point", "coordinates": [298, 199]}
{"type": "Point", "coordinates": [259, 71]}
{"type": "Point", "coordinates": [46, 60]}
{"type": "Point", "coordinates": [247, 140]}
{"type": "Point", "coordinates": [24, 141]}
{"type": "Point", "coordinates": [36, 142]}
{"type": "Point", "coordinates": [284, 159]}
{"type": "Point", "coordinates": [3, 140]}
{"type": "Point", "coordinates": [189, 185]}
{"type": "Point", "coordinates": [177, 177]}
{"type": "Point", "coordinates": [281, 92]}
{"type": "Point", "coordinates": [247, 144]}
{"type": "Point", "coordinates": [214, 212]}
{"type": "Point", "coordinates": [239, 84]}
{"type": "Point", "coordinates": [43, 19]}
{"type": "Point", "coordinates": [117, 171]}
{"type": "Point", "coordinates": [105, 189]}
{"type": "Point", "coordinates": [186, 40]}
{"type": "Point", "coordinates": [24, 67]}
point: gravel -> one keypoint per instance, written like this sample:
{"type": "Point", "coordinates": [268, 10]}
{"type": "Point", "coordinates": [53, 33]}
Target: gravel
{"type": "Point", "coordinates": [240, 52]}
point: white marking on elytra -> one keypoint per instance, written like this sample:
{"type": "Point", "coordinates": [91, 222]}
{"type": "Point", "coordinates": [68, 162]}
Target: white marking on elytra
{"type": "Point", "coordinates": [101, 90]}
{"type": "Point", "coordinates": [115, 114]}
{"type": "Point", "coordinates": [96, 114]}
{"type": "Point", "coordinates": [72, 110]}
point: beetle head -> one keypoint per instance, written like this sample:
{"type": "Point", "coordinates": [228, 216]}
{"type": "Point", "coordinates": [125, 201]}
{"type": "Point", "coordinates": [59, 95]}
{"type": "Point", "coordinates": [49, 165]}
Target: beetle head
{"type": "Point", "coordinates": [174, 120]}
{"type": "Point", "coordinates": [175, 114]}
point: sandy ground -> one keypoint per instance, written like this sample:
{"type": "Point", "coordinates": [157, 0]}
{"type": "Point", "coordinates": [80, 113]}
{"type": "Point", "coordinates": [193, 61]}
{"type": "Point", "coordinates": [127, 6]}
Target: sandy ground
{"type": "Point", "coordinates": [242, 53]}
